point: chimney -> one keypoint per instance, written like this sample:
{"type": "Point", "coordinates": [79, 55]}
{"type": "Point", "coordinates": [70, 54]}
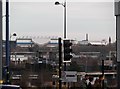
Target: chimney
{"type": "Point", "coordinates": [86, 37]}
{"type": "Point", "coordinates": [109, 40]}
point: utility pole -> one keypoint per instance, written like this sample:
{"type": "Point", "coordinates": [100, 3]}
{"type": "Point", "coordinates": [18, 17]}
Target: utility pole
{"type": "Point", "coordinates": [117, 14]}
{"type": "Point", "coordinates": [0, 42]}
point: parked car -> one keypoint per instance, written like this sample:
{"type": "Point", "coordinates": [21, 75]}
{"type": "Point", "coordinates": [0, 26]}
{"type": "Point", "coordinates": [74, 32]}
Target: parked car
{"type": "Point", "coordinates": [5, 86]}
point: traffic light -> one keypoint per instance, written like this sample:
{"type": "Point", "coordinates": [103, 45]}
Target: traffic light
{"type": "Point", "coordinates": [67, 50]}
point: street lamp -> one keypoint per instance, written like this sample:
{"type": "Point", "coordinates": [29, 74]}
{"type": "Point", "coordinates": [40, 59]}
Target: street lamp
{"type": "Point", "coordinates": [14, 34]}
{"type": "Point", "coordinates": [60, 62]}
{"type": "Point", "coordinates": [8, 47]}
{"type": "Point", "coordinates": [57, 3]}
{"type": "Point", "coordinates": [11, 35]}
{"type": "Point", "coordinates": [64, 5]}
{"type": "Point", "coordinates": [117, 14]}
{"type": "Point", "coordinates": [1, 22]}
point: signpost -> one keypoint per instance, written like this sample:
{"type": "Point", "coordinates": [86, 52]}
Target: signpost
{"type": "Point", "coordinates": [69, 76]}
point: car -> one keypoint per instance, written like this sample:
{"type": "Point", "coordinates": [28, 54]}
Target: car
{"type": "Point", "coordinates": [6, 86]}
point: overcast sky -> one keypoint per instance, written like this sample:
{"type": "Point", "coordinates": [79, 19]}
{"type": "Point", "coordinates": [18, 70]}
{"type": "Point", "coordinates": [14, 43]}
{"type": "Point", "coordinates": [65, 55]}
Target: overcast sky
{"type": "Point", "coordinates": [46, 19]}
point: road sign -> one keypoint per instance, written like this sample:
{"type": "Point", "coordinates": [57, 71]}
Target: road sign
{"type": "Point", "coordinates": [69, 76]}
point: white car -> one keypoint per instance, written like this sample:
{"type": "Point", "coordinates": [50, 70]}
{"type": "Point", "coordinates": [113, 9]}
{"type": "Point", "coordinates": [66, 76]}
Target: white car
{"type": "Point", "coordinates": [6, 86]}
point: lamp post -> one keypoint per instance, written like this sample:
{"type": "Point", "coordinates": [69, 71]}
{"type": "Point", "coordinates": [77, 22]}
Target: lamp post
{"type": "Point", "coordinates": [117, 14]}
{"type": "Point", "coordinates": [60, 61]}
{"type": "Point", "coordinates": [64, 5]}
{"type": "Point", "coordinates": [11, 35]}
{"type": "Point", "coordinates": [14, 34]}
{"type": "Point", "coordinates": [1, 42]}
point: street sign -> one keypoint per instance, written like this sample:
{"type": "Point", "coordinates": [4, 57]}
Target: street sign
{"type": "Point", "coordinates": [69, 76]}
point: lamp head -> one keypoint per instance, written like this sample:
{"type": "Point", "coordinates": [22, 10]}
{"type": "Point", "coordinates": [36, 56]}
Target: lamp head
{"type": "Point", "coordinates": [57, 3]}
{"type": "Point", "coordinates": [14, 34]}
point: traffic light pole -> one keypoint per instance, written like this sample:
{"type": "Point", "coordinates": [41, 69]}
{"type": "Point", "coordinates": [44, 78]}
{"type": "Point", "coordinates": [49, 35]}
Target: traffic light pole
{"type": "Point", "coordinates": [7, 42]}
{"type": "Point", "coordinates": [60, 62]}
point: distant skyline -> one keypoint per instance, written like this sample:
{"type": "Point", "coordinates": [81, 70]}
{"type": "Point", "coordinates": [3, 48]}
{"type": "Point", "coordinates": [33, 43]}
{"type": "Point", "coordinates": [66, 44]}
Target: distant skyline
{"type": "Point", "coordinates": [45, 19]}
{"type": "Point", "coordinates": [63, 0]}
